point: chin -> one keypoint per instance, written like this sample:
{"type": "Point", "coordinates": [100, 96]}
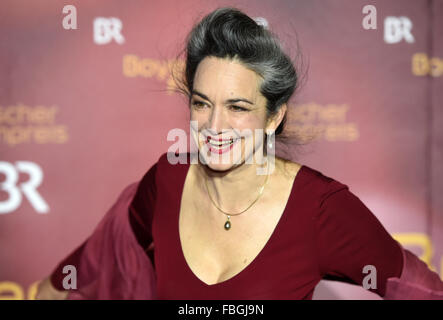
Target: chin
{"type": "Point", "coordinates": [220, 166]}
{"type": "Point", "coordinates": [218, 163]}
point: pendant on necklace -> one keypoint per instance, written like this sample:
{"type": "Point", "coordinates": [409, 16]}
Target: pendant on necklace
{"type": "Point", "coordinates": [227, 224]}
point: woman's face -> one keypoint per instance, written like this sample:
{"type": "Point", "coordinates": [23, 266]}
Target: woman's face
{"type": "Point", "coordinates": [228, 109]}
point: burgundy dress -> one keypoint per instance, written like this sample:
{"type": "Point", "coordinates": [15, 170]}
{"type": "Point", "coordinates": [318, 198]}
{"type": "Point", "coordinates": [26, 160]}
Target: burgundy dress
{"type": "Point", "coordinates": [325, 232]}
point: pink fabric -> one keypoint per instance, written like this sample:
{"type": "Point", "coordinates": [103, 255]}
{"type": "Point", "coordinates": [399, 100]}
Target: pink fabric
{"type": "Point", "coordinates": [113, 265]}
{"type": "Point", "coordinates": [417, 281]}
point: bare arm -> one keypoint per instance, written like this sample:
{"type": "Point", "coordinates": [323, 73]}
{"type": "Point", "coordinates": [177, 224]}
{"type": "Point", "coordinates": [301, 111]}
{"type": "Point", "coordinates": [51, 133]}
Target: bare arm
{"type": "Point", "coordinates": [46, 291]}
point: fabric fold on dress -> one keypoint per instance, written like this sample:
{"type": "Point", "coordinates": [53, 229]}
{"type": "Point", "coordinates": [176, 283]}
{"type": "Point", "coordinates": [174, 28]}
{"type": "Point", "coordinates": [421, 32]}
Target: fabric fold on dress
{"type": "Point", "coordinates": [112, 264]}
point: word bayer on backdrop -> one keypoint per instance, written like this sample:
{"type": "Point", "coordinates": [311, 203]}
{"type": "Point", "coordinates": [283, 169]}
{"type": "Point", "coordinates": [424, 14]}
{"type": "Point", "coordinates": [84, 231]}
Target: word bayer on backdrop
{"type": "Point", "coordinates": [28, 188]}
{"type": "Point", "coordinates": [396, 29]}
{"type": "Point", "coordinates": [105, 30]}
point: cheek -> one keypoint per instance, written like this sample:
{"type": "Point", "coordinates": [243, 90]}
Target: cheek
{"type": "Point", "coordinates": [246, 122]}
{"type": "Point", "coordinates": [252, 124]}
{"type": "Point", "coordinates": [200, 114]}
{"type": "Point", "coordinates": [199, 117]}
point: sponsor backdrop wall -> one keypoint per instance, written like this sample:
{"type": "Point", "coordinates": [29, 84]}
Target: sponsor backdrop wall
{"type": "Point", "coordinates": [86, 105]}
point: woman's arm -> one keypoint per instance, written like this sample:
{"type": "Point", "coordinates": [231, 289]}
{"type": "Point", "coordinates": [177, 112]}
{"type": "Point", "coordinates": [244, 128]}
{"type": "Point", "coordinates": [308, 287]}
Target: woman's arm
{"type": "Point", "coordinates": [46, 291]}
{"type": "Point", "coordinates": [417, 281]}
{"type": "Point", "coordinates": [350, 237]}
{"type": "Point", "coordinates": [113, 263]}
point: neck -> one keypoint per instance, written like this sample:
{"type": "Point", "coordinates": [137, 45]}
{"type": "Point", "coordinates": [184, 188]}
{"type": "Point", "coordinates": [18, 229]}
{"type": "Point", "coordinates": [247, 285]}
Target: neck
{"type": "Point", "coordinates": [234, 189]}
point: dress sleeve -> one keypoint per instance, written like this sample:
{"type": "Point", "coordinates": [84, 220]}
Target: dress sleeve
{"type": "Point", "coordinates": [350, 237]}
{"type": "Point", "coordinates": [141, 209]}
{"type": "Point", "coordinates": [113, 259]}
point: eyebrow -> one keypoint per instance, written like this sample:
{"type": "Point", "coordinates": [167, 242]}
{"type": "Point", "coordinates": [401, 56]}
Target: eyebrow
{"type": "Point", "coordinates": [234, 100]}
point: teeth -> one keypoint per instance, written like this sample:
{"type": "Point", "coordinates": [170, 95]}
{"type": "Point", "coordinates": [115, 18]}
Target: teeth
{"type": "Point", "coordinates": [220, 143]}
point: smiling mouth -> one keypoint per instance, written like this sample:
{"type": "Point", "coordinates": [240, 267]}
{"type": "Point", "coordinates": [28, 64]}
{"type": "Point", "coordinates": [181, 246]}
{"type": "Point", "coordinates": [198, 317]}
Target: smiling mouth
{"type": "Point", "coordinates": [220, 143]}
{"type": "Point", "coordinates": [220, 146]}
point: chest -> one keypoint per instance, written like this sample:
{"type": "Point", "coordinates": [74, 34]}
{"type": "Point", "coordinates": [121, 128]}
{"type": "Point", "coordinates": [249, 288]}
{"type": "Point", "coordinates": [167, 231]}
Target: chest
{"type": "Point", "coordinates": [214, 254]}
{"type": "Point", "coordinates": [267, 253]}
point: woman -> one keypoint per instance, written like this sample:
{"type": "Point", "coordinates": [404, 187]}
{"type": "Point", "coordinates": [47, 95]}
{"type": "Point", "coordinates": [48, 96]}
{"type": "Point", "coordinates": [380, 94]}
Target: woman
{"type": "Point", "coordinates": [237, 222]}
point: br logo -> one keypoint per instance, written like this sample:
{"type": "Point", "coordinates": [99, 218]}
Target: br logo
{"type": "Point", "coordinates": [16, 190]}
{"type": "Point", "coordinates": [397, 29]}
{"type": "Point", "coordinates": [108, 29]}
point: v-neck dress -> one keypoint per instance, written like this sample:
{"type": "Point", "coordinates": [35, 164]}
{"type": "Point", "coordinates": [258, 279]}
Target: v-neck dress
{"type": "Point", "coordinates": [324, 232]}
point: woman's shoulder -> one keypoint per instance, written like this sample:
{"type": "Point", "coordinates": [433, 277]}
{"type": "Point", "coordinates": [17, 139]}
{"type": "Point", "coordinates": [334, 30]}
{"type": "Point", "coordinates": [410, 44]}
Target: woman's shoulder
{"type": "Point", "coordinates": [172, 166]}
{"type": "Point", "coordinates": [311, 181]}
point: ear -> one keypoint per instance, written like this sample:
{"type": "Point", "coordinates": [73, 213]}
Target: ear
{"type": "Point", "coordinates": [274, 122]}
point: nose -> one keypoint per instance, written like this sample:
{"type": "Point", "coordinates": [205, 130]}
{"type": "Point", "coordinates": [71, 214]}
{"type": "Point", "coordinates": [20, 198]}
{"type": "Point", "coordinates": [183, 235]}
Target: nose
{"type": "Point", "coordinates": [217, 121]}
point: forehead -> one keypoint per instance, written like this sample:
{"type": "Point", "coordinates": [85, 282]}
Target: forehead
{"type": "Point", "coordinates": [219, 78]}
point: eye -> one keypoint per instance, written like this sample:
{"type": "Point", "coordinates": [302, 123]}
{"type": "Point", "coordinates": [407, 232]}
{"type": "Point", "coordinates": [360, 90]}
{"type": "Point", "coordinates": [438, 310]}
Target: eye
{"type": "Point", "coordinates": [237, 108]}
{"type": "Point", "coordinates": [198, 104]}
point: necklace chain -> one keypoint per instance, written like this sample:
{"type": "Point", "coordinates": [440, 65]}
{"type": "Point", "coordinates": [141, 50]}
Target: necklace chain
{"type": "Point", "coordinates": [236, 214]}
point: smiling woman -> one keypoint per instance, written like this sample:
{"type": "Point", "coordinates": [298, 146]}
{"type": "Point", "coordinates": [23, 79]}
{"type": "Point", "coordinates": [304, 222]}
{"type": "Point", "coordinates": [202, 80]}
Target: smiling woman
{"type": "Point", "coordinates": [220, 230]}
{"type": "Point", "coordinates": [223, 126]}
{"type": "Point", "coordinates": [231, 58]}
